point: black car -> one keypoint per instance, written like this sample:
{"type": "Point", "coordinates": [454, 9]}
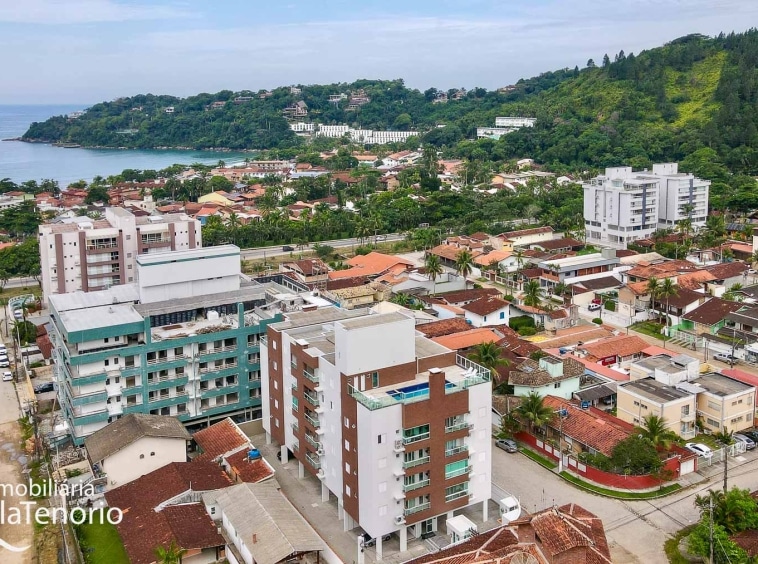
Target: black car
{"type": "Point", "coordinates": [288, 249]}
{"type": "Point", "coordinates": [753, 434]}
{"type": "Point", "coordinates": [42, 388]}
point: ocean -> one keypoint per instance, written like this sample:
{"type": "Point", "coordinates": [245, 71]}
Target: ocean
{"type": "Point", "coordinates": [35, 161]}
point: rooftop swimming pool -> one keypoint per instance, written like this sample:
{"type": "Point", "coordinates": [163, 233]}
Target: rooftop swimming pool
{"type": "Point", "coordinates": [414, 391]}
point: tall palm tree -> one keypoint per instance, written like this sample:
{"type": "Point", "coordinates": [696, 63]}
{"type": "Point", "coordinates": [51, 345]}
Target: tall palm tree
{"type": "Point", "coordinates": [534, 411]}
{"type": "Point", "coordinates": [654, 430]}
{"type": "Point", "coordinates": [464, 263]}
{"type": "Point", "coordinates": [652, 288]}
{"type": "Point", "coordinates": [490, 356]}
{"type": "Point", "coordinates": [532, 293]}
{"type": "Point", "coordinates": [433, 269]}
{"type": "Point", "coordinates": [171, 554]}
{"type": "Point", "coordinates": [725, 438]}
{"type": "Point", "coordinates": [667, 290]}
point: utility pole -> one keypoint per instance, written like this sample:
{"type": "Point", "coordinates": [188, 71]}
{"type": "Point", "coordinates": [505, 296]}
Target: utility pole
{"type": "Point", "coordinates": [710, 513]}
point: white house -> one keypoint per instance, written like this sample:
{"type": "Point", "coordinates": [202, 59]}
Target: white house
{"type": "Point", "coordinates": [486, 311]}
{"type": "Point", "coordinates": [549, 376]}
{"type": "Point", "coordinates": [135, 445]}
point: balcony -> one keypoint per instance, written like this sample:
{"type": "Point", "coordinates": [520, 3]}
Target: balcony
{"type": "Point", "coordinates": [417, 508]}
{"type": "Point", "coordinates": [314, 421]}
{"type": "Point", "coordinates": [416, 462]}
{"type": "Point", "coordinates": [456, 495]}
{"type": "Point", "coordinates": [456, 473]}
{"type": "Point", "coordinates": [313, 400]}
{"type": "Point", "coordinates": [217, 350]}
{"type": "Point", "coordinates": [114, 409]}
{"type": "Point", "coordinates": [151, 244]}
{"type": "Point", "coordinates": [456, 427]}
{"type": "Point", "coordinates": [313, 442]}
{"type": "Point", "coordinates": [415, 438]}
{"type": "Point", "coordinates": [295, 427]}
{"type": "Point", "coordinates": [310, 375]}
{"type": "Point", "coordinates": [456, 450]}
{"type": "Point", "coordinates": [313, 461]}
{"type": "Point", "coordinates": [415, 485]}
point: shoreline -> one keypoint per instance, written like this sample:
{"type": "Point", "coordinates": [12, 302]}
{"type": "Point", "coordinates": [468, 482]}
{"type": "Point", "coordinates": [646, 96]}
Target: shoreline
{"type": "Point", "coordinates": [105, 147]}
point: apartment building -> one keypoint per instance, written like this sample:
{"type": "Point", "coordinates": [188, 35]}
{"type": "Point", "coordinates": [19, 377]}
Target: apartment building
{"type": "Point", "coordinates": [723, 403]}
{"type": "Point", "coordinates": [89, 255]}
{"type": "Point", "coordinates": [623, 206]}
{"type": "Point", "coordinates": [182, 341]}
{"type": "Point", "coordinates": [637, 399]}
{"type": "Point", "coordinates": [394, 425]}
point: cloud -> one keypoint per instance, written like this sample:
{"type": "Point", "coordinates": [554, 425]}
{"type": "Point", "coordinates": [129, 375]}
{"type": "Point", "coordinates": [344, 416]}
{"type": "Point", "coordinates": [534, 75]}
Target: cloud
{"type": "Point", "coordinates": [60, 12]}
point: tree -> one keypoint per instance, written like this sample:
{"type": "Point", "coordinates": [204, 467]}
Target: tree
{"type": "Point", "coordinates": [532, 293]}
{"type": "Point", "coordinates": [433, 269]}
{"type": "Point", "coordinates": [652, 288]}
{"type": "Point", "coordinates": [654, 429]}
{"type": "Point", "coordinates": [97, 194]}
{"type": "Point", "coordinates": [323, 251]}
{"type": "Point", "coordinates": [464, 263]}
{"type": "Point", "coordinates": [401, 299]}
{"type": "Point", "coordinates": [534, 411]}
{"type": "Point", "coordinates": [725, 438]}
{"type": "Point", "coordinates": [636, 455]}
{"type": "Point", "coordinates": [667, 290]}
{"type": "Point", "coordinates": [490, 356]}
{"type": "Point", "coordinates": [171, 554]}
{"type": "Point", "coordinates": [725, 551]}
{"type": "Point", "coordinates": [591, 64]}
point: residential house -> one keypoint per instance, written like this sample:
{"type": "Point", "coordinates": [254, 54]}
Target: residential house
{"type": "Point", "coordinates": [443, 327]}
{"type": "Point", "coordinates": [489, 310]}
{"type": "Point", "coordinates": [740, 328]}
{"type": "Point", "coordinates": [135, 445]}
{"type": "Point", "coordinates": [372, 265]}
{"type": "Point", "coordinates": [448, 253]}
{"type": "Point", "coordinates": [314, 273]}
{"type": "Point", "coordinates": [709, 317]}
{"type": "Point", "coordinates": [550, 375]}
{"type": "Point", "coordinates": [614, 351]}
{"type": "Point", "coordinates": [681, 303]}
{"type": "Point", "coordinates": [668, 369]}
{"type": "Point", "coordinates": [359, 296]}
{"type": "Point", "coordinates": [644, 270]}
{"type": "Point", "coordinates": [725, 275]}
{"type": "Point", "coordinates": [640, 398]}
{"type": "Point", "coordinates": [161, 507]}
{"type": "Point", "coordinates": [525, 237]}
{"type": "Point", "coordinates": [260, 526]}
{"type": "Point", "coordinates": [569, 268]}
{"type": "Point", "coordinates": [218, 197]}
{"type": "Point", "coordinates": [468, 339]}
{"type": "Point", "coordinates": [561, 245]}
{"type": "Point", "coordinates": [723, 403]}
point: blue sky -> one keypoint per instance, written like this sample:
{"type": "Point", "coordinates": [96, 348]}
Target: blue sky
{"type": "Point", "coordinates": [85, 51]}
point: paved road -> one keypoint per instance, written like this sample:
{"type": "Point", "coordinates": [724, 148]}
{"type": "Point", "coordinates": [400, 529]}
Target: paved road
{"type": "Point", "coordinates": [636, 530]}
{"type": "Point", "coordinates": [267, 252]}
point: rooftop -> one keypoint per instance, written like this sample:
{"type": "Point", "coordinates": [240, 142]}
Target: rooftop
{"type": "Point", "coordinates": [666, 363]}
{"type": "Point", "coordinates": [486, 305]}
{"type": "Point", "coordinates": [218, 439]}
{"type": "Point", "coordinates": [712, 311]}
{"type": "Point", "coordinates": [129, 429]}
{"type": "Point", "coordinates": [374, 320]}
{"type": "Point", "coordinates": [97, 317]}
{"type": "Point", "coordinates": [530, 372]}
{"type": "Point", "coordinates": [189, 254]}
{"type": "Point", "coordinates": [590, 427]}
{"type": "Point", "coordinates": [621, 345]}
{"type": "Point", "coordinates": [467, 339]}
{"type": "Point", "coordinates": [443, 327]}
{"type": "Point", "coordinates": [654, 390]}
{"type": "Point", "coordinates": [720, 385]}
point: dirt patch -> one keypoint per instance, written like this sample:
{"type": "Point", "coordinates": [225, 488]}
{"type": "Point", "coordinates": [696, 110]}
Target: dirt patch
{"type": "Point", "coordinates": [12, 462]}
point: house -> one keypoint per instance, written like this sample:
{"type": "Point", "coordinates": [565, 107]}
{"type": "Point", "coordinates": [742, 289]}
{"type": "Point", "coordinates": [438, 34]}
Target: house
{"type": "Point", "coordinates": [490, 310]}
{"type": "Point", "coordinates": [259, 525]}
{"type": "Point", "coordinates": [681, 303]}
{"type": "Point", "coordinates": [550, 375]}
{"type": "Point", "coordinates": [723, 403]}
{"type": "Point", "coordinates": [135, 445]}
{"type": "Point", "coordinates": [161, 507]}
{"type": "Point", "coordinates": [448, 253]}
{"type": "Point", "coordinates": [525, 237]}
{"type": "Point", "coordinates": [566, 269]}
{"type": "Point", "coordinates": [564, 534]}
{"type": "Point", "coordinates": [463, 297]}
{"type": "Point", "coordinates": [709, 317]}
{"type": "Point", "coordinates": [468, 339]}
{"type": "Point", "coordinates": [443, 327]}
{"type": "Point", "coordinates": [637, 399]}
{"type": "Point", "coordinates": [561, 245]}
{"type": "Point", "coordinates": [666, 368]}
{"type": "Point", "coordinates": [314, 273]}
{"type": "Point", "coordinates": [359, 296]}
{"type": "Point", "coordinates": [372, 265]}
{"type": "Point", "coordinates": [614, 351]}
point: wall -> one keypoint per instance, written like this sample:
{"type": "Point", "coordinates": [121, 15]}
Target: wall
{"type": "Point", "coordinates": [357, 349]}
{"type": "Point", "coordinates": [126, 464]}
{"type": "Point", "coordinates": [599, 476]}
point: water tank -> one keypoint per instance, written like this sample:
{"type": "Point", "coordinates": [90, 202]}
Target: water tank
{"type": "Point", "coordinates": [253, 454]}
{"type": "Point", "coordinates": [213, 315]}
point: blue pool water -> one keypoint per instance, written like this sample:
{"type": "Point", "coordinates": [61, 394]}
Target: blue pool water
{"type": "Point", "coordinates": [416, 390]}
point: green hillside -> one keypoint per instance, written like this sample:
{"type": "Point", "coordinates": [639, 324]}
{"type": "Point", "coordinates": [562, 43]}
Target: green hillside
{"type": "Point", "coordinates": [694, 96]}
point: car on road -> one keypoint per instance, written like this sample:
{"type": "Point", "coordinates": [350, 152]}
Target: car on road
{"type": "Point", "coordinates": [749, 443]}
{"type": "Point", "coordinates": [508, 445]}
{"type": "Point", "coordinates": [723, 357]}
{"type": "Point", "coordinates": [44, 387]}
{"type": "Point", "coordinates": [594, 307]}
{"type": "Point", "coordinates": [753, 434]}
{"type": "Point", "coordinates": [700, 449]}
{"type": "Point", "coordinates": [7, 377]}
{"type": "Point", "coordinates": [288, 248]}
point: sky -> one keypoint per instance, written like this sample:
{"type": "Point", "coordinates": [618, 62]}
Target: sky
{"type": "Point", "coordinates": [86, 51]}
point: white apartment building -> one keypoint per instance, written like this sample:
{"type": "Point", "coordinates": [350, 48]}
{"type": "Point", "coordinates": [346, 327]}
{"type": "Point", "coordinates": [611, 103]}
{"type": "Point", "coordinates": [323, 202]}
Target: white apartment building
{"type": "Point", "coordinates": [303, 127]}
{"type": "Point", "coordinates": [681, 196]}
{"type": "Point", "coordinates": [394, 425]}
{"type": "Point", "coordinates": [87, 255]}
{"type": "Point", "coordinates": [515, 122]}
{"type": "Point", "coordinates": [332, 130]}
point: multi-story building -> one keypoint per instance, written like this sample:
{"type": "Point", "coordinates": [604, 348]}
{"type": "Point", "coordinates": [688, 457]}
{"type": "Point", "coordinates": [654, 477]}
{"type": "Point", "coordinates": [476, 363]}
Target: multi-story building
{"type": "Point", "coordinates": [637, 399]}
{"type": "Point", "coordinates": [515, 122]}
{"type": "Point", "coordinates": [622, 206]}
{"type": "Point", "coordinates": [88, 255]}
{"type": "Point", "coordinates": [182, 341]}
{"type": "Point", "coordinates": [394, 425]}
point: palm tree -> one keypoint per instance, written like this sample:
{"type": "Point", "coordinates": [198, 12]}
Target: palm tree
{"type": "Point", "coordinates": [667, 290]}
{"type": "Point", "coordinates": [534, 411]}
{"type": "Point", "coordinates": [652, 288]}
{"type": "Point", "coordinates": [654, 430]}
{"type": "Point", "coordinates": [433, 269]}
{"type": "Point", "coordinates": [725, 438]}
{"type": "Point", "coordinates": [233, 223]}
{"type": "Point", "coordinates": [532, 293]}
{"type": "Point", "coordinates": [490, 356]}
{"type": "Point", "coordinates": [171, 554]}
{"type": "Point", "coordinates": [401, 299]}
{"type": "Point", "coordinates": [464, 262]}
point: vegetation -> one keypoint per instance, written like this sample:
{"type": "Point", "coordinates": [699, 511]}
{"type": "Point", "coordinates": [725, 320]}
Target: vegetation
{"type": "Point", "coordinates": [541, 460]}
{"type": "Point", "coordinates": [732, 512]}
{"type": "Point", "coordinates": [534, 411]}
{"type": "Point", "coordinates": [490, 356]}
{"type": "Point", "coordinates": [620, 494]}
{"type": "Point", "coordinates": [171, 554]}
{"type": "Point", "coordinates": [100, 542]}
{"type": "Point", "coordinates": [654, 429]}
{"type": "Point", "coordinates": [671, 546]}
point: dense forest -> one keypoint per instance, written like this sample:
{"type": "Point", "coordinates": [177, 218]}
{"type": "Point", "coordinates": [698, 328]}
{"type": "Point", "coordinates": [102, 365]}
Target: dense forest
{"type": "Point", "coordinates": [695, 97]}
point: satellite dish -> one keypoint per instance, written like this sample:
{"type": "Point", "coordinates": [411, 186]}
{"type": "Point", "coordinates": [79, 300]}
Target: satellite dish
{"type": "Point", "coordinates": [524, 558]}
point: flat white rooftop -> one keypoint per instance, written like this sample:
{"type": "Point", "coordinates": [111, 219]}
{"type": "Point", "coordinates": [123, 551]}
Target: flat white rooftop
{"type": "Point", "coordinates": [99, 317]}
{"type": "Point", "coordinates": [190, 254]}
{"type": "Point", "coordinates": [123, 293]}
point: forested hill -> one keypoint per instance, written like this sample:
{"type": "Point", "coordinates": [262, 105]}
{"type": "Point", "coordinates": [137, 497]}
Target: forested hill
{"type": "Point", "coordinates": [695, 96]}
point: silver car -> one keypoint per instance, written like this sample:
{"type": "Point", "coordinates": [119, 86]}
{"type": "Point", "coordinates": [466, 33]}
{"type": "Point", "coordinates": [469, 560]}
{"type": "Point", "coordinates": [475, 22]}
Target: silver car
{"type": "Point", "coordinates": [749, 443]}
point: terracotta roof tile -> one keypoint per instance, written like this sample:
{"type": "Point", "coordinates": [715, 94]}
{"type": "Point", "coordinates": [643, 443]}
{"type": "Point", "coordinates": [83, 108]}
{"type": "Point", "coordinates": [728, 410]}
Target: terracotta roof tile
{"type": "Point", "coordinates": [727, 270]}
{"type": "Point", "coordinates": [556, 244]}
{"type": "Point", "coordinates": [450, 252]}
{"type": "Point", "coordinates": [191, 526]}
{"type": "Point", "coordinates": [622, 345]}
{"type": "Point", "coordinates": [460, 297]}
{"type": "Point", "coordinates": [218, 439]}
{"type": "Point", "coordinates": [467, 339]}
{"type": "Point", "coordinates": [712, 311]}
{"type": "Point", "coordinates": [372, 264]}
{"type": "Point", "coordinates": [486, 305]}
{"type": "Point", "coordinates": [525, 232]}
{"type": "Point", "coordinates": [588, 427]}
{"type": "Point", "coordinates": [249, 470]}
{"type": "Point", "coordinates": [529, 373]}
{"type": "Point", "coordinates": [443, 327]}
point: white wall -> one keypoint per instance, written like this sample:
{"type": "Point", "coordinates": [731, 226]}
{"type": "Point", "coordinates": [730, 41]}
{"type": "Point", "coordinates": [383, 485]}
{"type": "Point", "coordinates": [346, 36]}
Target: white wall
{"type": "Point", "coordinates": [126, 465]}
{"type": "Point", "coordinates": [479, 441]}
{"type": "Point", "coordinates": [265, 393]}
{"type": "Point", "coordinates": [357, 349]}
{"type": "Point", "coordinates": [332, 423]}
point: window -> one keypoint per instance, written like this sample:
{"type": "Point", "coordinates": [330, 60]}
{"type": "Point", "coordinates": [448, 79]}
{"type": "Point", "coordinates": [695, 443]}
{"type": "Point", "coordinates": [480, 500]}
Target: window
{"type": "Point", "coordinates": [381, 438]}
{"type": "Point", "coordinates": [375, 380]}
{"type": "Point", "coordinates": [152, 454]}
{"type": "Point", "coordinates": [636, 403]}
{"type": "Point", "coordinates": [347, 444]}
{"type": "Point", "coordinates": [557, 385]}
{"type": "Point", "coordinates": [347, 491]}
{"type": "Point", "coordinates": [713, 405]}
{"type": "Point", "coordinates": [502, 315]}
{"type": "Point", "coordinates": [141, 456]}
{"type": "Point", "coordinates": [713, 423]}
{"type": "Point", "coordinates": [685, 410]}
{"type": "Point", "coordinates": [737, 419]}
{"type": "Point", "coordinates": [347, 422]}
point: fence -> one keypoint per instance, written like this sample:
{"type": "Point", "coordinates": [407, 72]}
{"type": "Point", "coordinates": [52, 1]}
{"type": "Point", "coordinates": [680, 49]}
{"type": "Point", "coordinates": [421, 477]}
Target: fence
{"type": "Point", "coordinates": [622, 481]}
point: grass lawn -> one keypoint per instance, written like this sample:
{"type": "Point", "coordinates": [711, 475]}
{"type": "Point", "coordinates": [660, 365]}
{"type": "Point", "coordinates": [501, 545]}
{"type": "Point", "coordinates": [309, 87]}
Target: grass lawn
{"type": "Point", "coordinates": [707, 440]}
{"type": "Point", "coordinates": [671, 546]}
{"type": "Point", "coordinates": [32, 288]}
{"type": "Point", "coordinates": [648, 328]}
{"type": "Point", "coordinates": [100, 543]}
{"type": "Point", "coordinates": [541, 460]}
{"type": "Point", "coordinates": [617, 494]}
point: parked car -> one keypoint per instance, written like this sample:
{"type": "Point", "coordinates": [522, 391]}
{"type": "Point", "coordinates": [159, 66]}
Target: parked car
{"type": "Point", "coordinates": [597, 301]}
{"type": "Point", "coordinates": [700, 449]}
{"type": "Point", "coordinates": [5, 363]}
{"type": "Point", "coordinates": [368, 540]}
{"type": "Point", "coordinates": [723, 357]}
{"type": "Point", "coordinates": [18, 314]}
{"type": "Point", "coordinates": [508, 445]}
{"type": "Point", "coordinates": [288, 248]}
{"type": "Point", "coordinates": [753, 434]}
{"type": "Point", "coordinates": [594, 307]}
{"type": "Point", "coordinates": [7, 377]}
{"type": "Point", "coordinates": [44, 387]}
{"type": "Point", "coordinates": [749, 443]}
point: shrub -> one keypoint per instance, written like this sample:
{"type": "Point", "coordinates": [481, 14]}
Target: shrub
{"type": "Point", "coordinates": [516, 323]}
{"type": "Point", "coordinates": [610, 305]}
{"type": "Point", "coordinates": [527, 331]}
{"type": "Point", "coordinates": [508, 298]}
{"type": "Point", "coordinates": [598, 321]}
{"type": "Point", "coordinates": [363, 250]}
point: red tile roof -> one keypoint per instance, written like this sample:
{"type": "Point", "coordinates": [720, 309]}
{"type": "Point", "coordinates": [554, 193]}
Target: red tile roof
{"type": "Point", "coordinates": [191, 526]}
{"type": "Point", "coordinates": [727, 270]}
{"type": "Point", "coordinates": [524, 232]}
{"type": "Point", "coordinates": [468, 339]}
{"type": "Point", "coordinates": [443, 327]}
{"type": "Point", "coordinates": [372, 264]}
{"type": "Point", "coordinates": [568, 527]}
{"type": "Point", "coordinates": [451, 252]}
{"type": "Point", "coordinates": [556, 244]}
{"type": "Point", "coordinates": [622, 345]}
{"type": "Point", "coordinates": [589, 428]}
{"type": "Point", "coordinates": [218, 439]}
{"type": "Point", "coordinates": [460, 297]}
{"type": "Point", "coordinates": [712, 311]}
{"type": "Point", "coordinates": [246, 470]}
{"type": "Point", "coordinates": [486, 305]}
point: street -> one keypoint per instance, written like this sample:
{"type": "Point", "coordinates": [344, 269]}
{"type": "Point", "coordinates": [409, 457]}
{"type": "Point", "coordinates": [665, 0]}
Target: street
{"type": "Point", "coordinates": [636, 530]}
{"type": "Point", "coordinates": [267, 252]}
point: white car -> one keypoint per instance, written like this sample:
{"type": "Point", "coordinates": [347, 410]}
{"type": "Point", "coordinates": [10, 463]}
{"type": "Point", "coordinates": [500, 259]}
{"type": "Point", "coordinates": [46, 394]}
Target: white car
{"type": "Point", "coordinates": [5, 363]}
{"type": "Point", "coordinates": [18, 314]}
{"type": "Point", "coordinates": [594, 307]}
{"type": "Point", "coordinates": [7, 377]}
{"type": "Point", "coordinates": [700, 449]}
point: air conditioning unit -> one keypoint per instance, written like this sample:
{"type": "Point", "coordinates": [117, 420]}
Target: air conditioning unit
{"type": "Point", "coordinates": [399, 520]}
